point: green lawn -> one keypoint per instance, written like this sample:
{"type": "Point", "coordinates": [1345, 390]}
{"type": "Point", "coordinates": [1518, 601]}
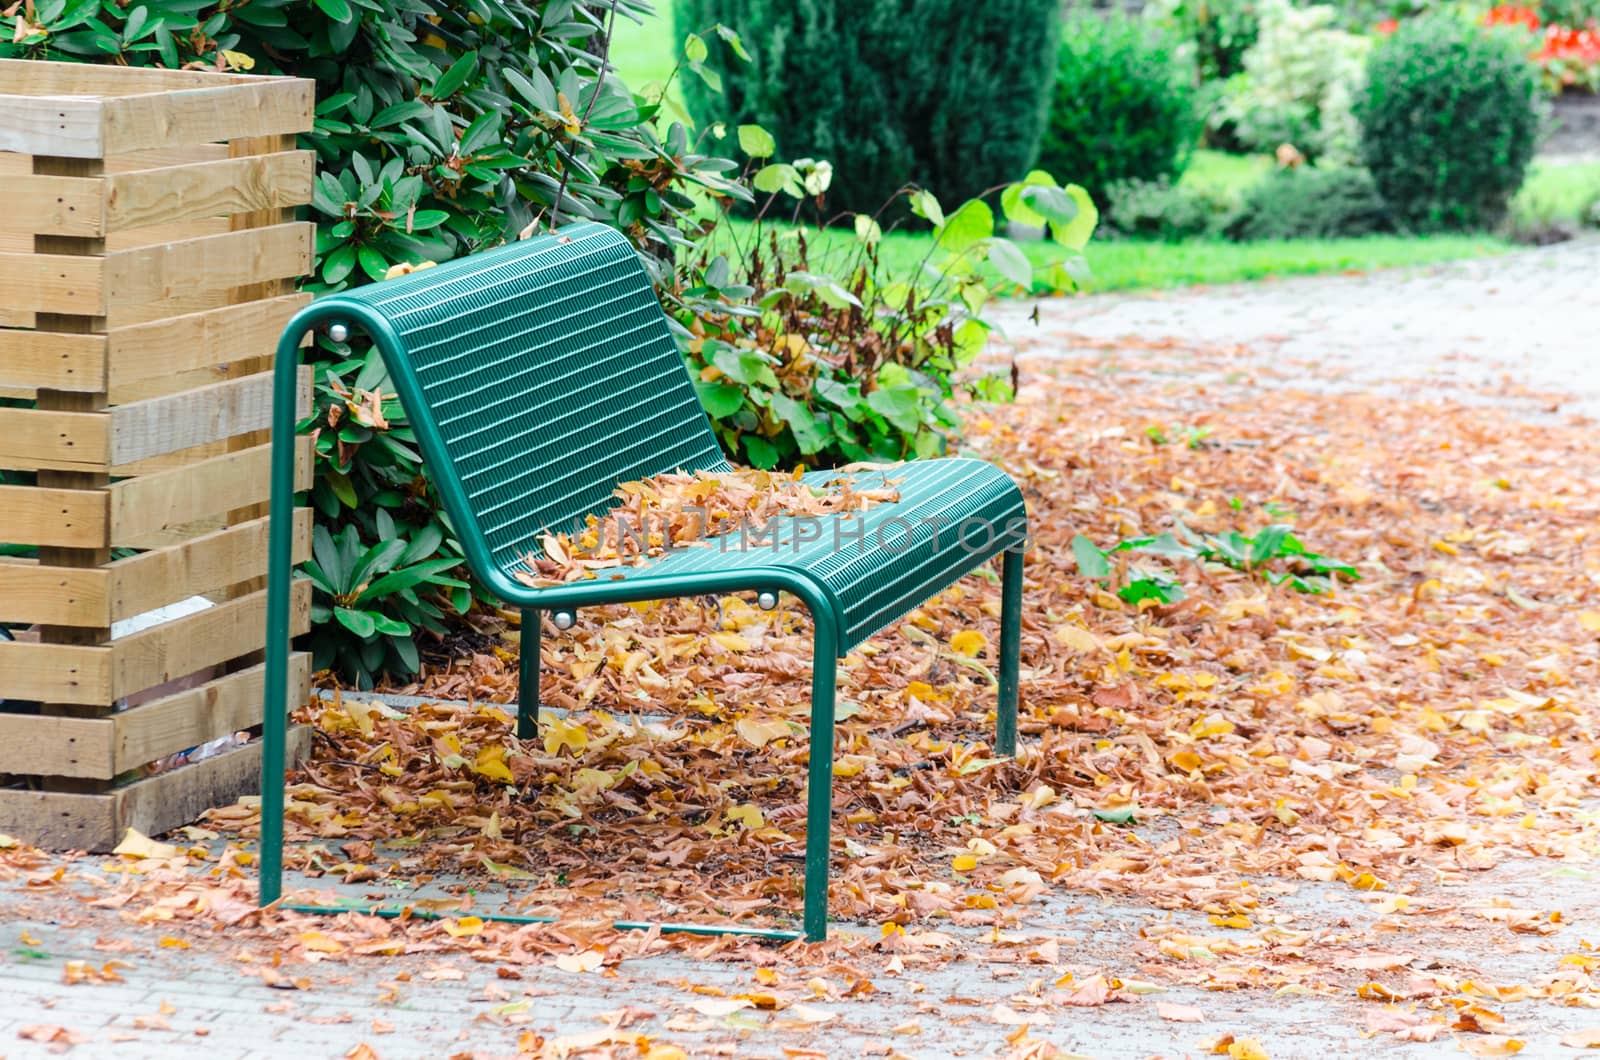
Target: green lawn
{"type": "Point", "coordinates": [1120, 265]}
{"type": "Point", "coordinates": [645, 56]}
{"type": "Point", "coordinates": [1556, 190]}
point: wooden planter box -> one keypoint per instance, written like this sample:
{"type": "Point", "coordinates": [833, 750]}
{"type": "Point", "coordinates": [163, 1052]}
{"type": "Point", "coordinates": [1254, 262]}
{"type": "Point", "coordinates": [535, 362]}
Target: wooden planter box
{"type": "Point", "coordinates": [148, 253]}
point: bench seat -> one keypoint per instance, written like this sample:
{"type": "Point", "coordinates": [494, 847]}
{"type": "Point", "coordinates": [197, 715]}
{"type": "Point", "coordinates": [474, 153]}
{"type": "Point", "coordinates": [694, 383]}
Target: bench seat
{"type": "Point", "coordinates": [875, 565]}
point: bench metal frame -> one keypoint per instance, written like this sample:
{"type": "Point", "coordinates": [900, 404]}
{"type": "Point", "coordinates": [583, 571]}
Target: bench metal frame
{"type": "Point", "coordinates": [828, 638]}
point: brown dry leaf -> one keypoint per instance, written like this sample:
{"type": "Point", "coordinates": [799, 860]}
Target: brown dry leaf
{"type": "Point", "coordinates": [1493, 1045]}
{"type": "Point", "coordinates": [57, 1037]}
{"type": "Point", "coordinates": [583, 961]}
{"type": "Point", "coordinates": [1175, 1013]}
{"type": "Point", "coordinates": [1007, 1016]}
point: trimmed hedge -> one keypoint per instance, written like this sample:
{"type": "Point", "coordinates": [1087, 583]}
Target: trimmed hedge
{"type": "Point", "coordinates": [946, 94]}
{"type": "Point", "coordinates": [1450, 118]}
{"type": "Point", "coordinates": [1123, 107]}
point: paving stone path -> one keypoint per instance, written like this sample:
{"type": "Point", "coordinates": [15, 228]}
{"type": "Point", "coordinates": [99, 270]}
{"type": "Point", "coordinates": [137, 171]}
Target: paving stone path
{"type": "Point", "coordinates": [1521, 329]}
{"type": "Point", "coordinates": [1504, 330]}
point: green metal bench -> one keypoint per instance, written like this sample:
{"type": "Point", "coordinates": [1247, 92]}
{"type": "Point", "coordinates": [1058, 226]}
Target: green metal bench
{"type": "Point", "coordinates": [537, 377]}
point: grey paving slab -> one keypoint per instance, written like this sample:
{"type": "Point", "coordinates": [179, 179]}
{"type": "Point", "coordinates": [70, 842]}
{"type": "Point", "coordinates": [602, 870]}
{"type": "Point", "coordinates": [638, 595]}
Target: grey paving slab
{"type": "Point", "coordinates": [1464, 330]}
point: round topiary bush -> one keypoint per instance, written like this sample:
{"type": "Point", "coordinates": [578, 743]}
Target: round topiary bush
{"type": "Point", "coordinates": [1124, 104]}
{"type": "Point", "coordinates": [945, 94]}
{"type": "Point", "coordinates": [1450, 117]}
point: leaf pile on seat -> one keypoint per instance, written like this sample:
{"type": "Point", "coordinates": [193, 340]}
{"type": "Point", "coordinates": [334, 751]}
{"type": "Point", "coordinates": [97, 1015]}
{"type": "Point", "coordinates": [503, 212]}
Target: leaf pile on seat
{"type": "Point", "coordinates": [688, 509]}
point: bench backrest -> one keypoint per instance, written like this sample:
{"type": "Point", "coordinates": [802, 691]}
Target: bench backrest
{"type": "Point", "coordinates": [538, 376]}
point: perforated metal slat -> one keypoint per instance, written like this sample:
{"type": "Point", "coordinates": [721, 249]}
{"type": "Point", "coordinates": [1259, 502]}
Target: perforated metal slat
{"type": "Point", "coordinates": [550, 375]}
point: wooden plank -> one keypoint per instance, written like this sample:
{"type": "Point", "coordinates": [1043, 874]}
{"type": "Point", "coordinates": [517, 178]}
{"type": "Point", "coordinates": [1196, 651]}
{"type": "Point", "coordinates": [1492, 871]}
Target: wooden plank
{"type": "Point", "coordinates": [187, 719]}
{"type": "Point", "coordinates": [197, 340]}
{"type": "Point", "coordinates": [156, 157]}
{"type": "Point", "coordinates": [54, 283]}
{"type": "Point", "coordinates": [196, 567]}
{"type": "Point", "coordinates": [67, 821]}
{"type": "Point", "coordinates": [59, 672]}
{"type": "Point", "coordinates": [69, 518]}
{"type": "Point", "coordinates": [99, 596]}
{"type": "Point", "coordinates": [128, 356]}
{"type": "Point", "coordinates": [104, 748]}
{"type": "Point", "coordinates": [158, 235]}
{"type": "Point", "coordinates": [30, 77]}
{"type": "Point", "coordinates": [208, 263]}
{"type": "Point", "coordinates": [62, 596]}
{"type": "Point", "coordinates": [56, 360]}
{"type": "Point", "coordinates": [61, 206]}
{"type": "Point", "coordinates": [34, 745]}
{"type": "Point", "coordinates": [208, 189]}
{"type": "Point", "coordinates": [43, 439]}
{"type": "Point", "coordinates": [264, 107]}
{"type": "Point", "coordinates": [124, 316]}
{"type": "Point", "coordinates": [142, 508]}
{"type": "Point", "coordinates": [194, 417]}
{"type": "Point", "coordinates": [62, 126]}
{"type": "Point", "coordinates": [183, 646]}
{"type": "Point", "coordinates": [103, 674]}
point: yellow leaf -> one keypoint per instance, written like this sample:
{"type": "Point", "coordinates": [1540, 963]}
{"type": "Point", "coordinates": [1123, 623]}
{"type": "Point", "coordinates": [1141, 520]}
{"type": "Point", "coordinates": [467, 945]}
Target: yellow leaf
{"type": "Point", "coordinates": [564, 732]}
{"type": "Point", "coordinates": [316, 940]}
{"type": "Point", "coordinates": [592, 780]}
{"type": "Point", "coordinates": [731, 641]}
{"type": "Point", "coordinates": [1590, 621]}
{"type": "Point", "coordinates": [586, 961]}
{"type": "Point", "coordinates": [662, 1051]}
{"type": "Point", "coordinates": [1210, 725]}
{"type": "Point", "coordinates": [1247, 1049]}
{"type": "Point", "coordinates": [964, 862]}
{"type": "Point", "coordinates": [747, 814]}
{"type": "Point", "coordinates": [491, 763]}
{"type": "Point", "coordinates": [467, 925]}
{"type": "Point", "coordinates": [761, 733]}
{"type": "Point", "coordinates": [1077, 639]}
{"type": "Point", "coordinates": [1493, 1045]}
{"type": "Point", "coordinates": [135, 844]}
{"type": "Point", "coordinates": [851, 765]}
{"type": "Point", "coordinates": [169, 943]}
{"type": "Point", "coordinates": [968, 642]}
{"type": "Point", "coordinates": [1185, 760]}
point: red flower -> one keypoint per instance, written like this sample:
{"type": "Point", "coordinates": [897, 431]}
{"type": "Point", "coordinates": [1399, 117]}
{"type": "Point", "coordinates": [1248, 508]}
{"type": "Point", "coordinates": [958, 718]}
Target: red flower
{"type": "Point", "coordinates": [1387, 26]}
{"type": "Point", "coordinates": [1512, 15]}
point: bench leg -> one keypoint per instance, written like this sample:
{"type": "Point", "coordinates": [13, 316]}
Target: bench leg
{"type": "Point", "coordinates": [819, 787]}
{"type": "Point", "coordinates": [1005, 736]}
{"type": "Point", "coordinates": [528, 676]}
